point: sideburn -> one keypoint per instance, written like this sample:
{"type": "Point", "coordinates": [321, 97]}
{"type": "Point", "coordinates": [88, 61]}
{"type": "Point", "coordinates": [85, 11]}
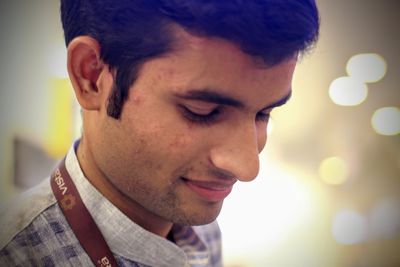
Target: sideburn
{"type": "Point", "coordinates": [124, 78]}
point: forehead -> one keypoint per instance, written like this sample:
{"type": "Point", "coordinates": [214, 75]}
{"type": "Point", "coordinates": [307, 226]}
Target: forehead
{"type": "Point", "coordinates": [213, 63]}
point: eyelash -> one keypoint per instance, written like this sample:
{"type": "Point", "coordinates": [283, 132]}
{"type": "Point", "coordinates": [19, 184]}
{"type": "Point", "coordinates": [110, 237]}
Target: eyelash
{"type": "Point", "coordinates": [201, 119]}
{"type": "Point", "coordinates": [213, 115]}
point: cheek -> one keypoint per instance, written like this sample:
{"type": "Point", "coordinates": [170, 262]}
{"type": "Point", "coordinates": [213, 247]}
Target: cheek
{"type": "Point", "coordinates": [164, 141]}
{"type": "Point", "coordinates": [181, 142]}
{"type": "Point", "coordinates": [186, 144]}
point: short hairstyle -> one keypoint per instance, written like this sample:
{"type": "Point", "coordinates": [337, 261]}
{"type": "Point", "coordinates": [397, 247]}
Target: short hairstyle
{"type": "Point", "coordinates": [132, 31]}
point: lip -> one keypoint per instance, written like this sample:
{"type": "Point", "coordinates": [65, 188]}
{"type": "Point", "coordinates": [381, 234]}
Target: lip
{"type": "Point", "coordinates": [210, 191]}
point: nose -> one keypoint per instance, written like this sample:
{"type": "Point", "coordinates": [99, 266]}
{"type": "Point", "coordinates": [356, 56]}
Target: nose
{"type": "Point", "coordinates": [237, 152]}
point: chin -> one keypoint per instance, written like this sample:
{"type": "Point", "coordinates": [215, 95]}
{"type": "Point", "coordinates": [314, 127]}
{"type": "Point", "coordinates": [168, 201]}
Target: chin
{"type": "Point", "coordinates": [197, 218]}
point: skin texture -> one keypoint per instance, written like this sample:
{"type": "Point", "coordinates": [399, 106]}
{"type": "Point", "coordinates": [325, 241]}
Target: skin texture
{"type": "Point", "coordinates": [153, 162]}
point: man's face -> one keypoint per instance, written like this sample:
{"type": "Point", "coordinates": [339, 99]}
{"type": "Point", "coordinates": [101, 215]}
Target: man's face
{"type": "Point", "coordinates": [193, 124]}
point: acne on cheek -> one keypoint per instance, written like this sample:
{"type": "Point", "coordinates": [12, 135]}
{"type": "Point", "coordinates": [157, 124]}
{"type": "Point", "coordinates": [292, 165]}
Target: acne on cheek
{"type": "Point", "coordinates": [178, 142]}
{"type": "Point", "coordinates": [136, 98]}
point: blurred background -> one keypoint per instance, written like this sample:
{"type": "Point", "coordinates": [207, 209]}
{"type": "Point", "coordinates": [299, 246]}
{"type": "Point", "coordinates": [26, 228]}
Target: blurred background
{"type": "Point", "coordinates": [328, 193]}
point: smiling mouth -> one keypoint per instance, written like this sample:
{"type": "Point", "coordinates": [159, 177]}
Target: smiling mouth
{"type": "Point", "coordinates": [209, 191]}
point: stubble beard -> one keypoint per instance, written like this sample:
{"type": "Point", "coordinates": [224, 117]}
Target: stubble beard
{"type": "Point", "coordinates": [169, 206]}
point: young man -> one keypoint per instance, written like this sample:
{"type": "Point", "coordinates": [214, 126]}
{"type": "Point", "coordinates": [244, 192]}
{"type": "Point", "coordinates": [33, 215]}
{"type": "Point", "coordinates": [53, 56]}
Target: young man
{"type": "Point", "coordinates": [175, 99]}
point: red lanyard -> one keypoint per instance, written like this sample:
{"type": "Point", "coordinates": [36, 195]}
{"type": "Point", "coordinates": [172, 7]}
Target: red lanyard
{"type": "Point", "coordinates": [79, 218]}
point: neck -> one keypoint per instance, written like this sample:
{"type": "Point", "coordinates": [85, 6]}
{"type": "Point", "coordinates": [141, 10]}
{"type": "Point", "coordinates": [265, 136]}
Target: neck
{"type": "Point", "coordinates": [129, 207]}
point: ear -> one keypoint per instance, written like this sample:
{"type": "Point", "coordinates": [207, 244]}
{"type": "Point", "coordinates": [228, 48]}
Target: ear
{"type": "Point", "coordinates": [84, 68]}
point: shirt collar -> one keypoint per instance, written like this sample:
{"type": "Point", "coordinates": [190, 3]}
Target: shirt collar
{"type": "Point", "coordinates": [119, 231]}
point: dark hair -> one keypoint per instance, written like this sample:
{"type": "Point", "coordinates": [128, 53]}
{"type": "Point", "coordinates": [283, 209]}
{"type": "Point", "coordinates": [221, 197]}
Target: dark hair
{"type": "Point", "coordinates": [133, 31]}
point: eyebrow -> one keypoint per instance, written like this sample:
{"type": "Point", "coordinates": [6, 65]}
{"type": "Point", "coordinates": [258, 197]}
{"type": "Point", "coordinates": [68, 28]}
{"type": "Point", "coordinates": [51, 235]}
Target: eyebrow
{"type": "Point", "coordinates": [281, 101]}
{"type": "Point", "coordinates": [207, 95]}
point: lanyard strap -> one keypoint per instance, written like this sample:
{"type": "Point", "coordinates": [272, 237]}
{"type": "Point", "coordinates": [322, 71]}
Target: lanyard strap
{"type": "Point", "coordinates": [79, 218]}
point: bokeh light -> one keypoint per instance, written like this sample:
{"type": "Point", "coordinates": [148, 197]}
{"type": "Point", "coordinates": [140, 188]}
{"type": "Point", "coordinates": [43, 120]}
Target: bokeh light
{"type": "Point", "coordinates": [60, 131]}
{"type": "Point", "coordinates": [366, 67]}
{"type": "Point", "coordinates": [283, 202]}
{"type": "Point", "coordinates": [333, 170]}
{"type": "Point", "coordinates": [385, 218]}
{"type": "Point", "coordinates": [349, 227]}
{"type": "Point", "coordinates": [386, 121]}
{"type": "Point", "coordinates": [348, 91]}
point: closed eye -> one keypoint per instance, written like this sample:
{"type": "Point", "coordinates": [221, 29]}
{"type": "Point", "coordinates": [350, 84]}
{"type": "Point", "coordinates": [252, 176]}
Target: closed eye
{"type": "Point", "coordinates": [200, 116]}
